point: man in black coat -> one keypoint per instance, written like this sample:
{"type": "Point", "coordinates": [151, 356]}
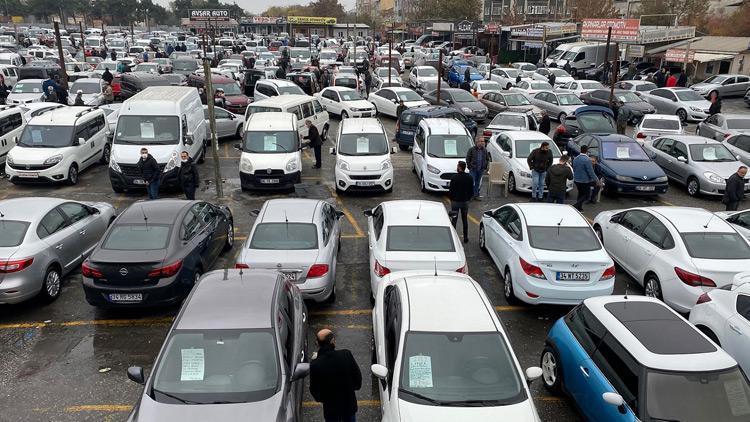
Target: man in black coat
{"type": "Point", "coordinates": [334, 377]}
{"type": "Point", "coordinates": [107, 76]}
{"type": "Point", "coordinates": [188, 175]}
{"type": "Point", "coordinates": [150, 173]}
{"type": "Point", "coordinates": [315, 141]}
{"type": "Point", "coordinates": [735, 190]}
{"type": "Point", "coordinates": [460, 193]}
{"type": "Point", "coordinates": [544, 124]}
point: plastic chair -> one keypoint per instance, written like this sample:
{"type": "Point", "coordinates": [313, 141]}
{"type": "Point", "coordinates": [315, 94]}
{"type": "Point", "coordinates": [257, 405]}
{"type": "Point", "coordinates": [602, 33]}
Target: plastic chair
{"type": "Point", "coordinates": [498, 176]}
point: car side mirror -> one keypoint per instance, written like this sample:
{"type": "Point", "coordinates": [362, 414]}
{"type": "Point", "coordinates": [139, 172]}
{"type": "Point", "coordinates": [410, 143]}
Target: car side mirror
{"type": "Point", "coordinates": [300, 371]}
{"type": "Point", "coordinates": [394, 150]}
{"type": "Point", "coordinates": [615, 219]}
{"type": "Point", "coordinates": [615, 400]}
{"type": "Point", "coordinates": [93, 210]}
{"type": "Point", "coordinates": [505, 153]}
{"type": "Point", "coordinates": [367, 212]}
{"type": "Point", "coordinates": [188, 139]}
{"type": "Point", "coordinates": [380, 371]}
{"type": "Point", "coordinates": [238, 147]}
{"type": "Point", "coordinates": [682, 159]}
{"type": "Point", "coordinates": [674, 100]}
{"type": "Point", "coordinates": [487, 213]}
{"type": "Point", "coordinates": [339, 214]}
{"type": "Point", "coordinates": [532, 373]}
{"type": "Point", "coordinates": [135, 374]}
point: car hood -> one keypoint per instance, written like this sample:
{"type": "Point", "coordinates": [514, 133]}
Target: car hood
{"type": "Point", "coordinates": [473, 105]}
{"type": "Point", "coordinates": [701, 104]}
{"type": "Point", "coordinates": [520, 412]}
{"type": "Point", "coordinates": [704, 86]}
{"type": "Point", "coordinates": [364, 162]}
{"type": "Point", "coordinates": [635, 169]}
{"type": "Point", "coordinates": [25, 155]}
{"type": "Point", "coordinates": [640, 106]}
{"type": "Point", "coordinates": [358, 104]}
{"type": "Point", "coordinates": [130, 154]}
{"type": "Point", "coordinates": [150, 410]}
{"type": "Point", "coordinates": [723, 169]}
{"type": "Point", "coordinates": [25, 97]}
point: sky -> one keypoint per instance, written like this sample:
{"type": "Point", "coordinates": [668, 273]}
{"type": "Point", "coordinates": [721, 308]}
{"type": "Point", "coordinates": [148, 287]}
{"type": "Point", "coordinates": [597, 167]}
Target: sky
{"type": "Point", "coordinates": [258, 6]}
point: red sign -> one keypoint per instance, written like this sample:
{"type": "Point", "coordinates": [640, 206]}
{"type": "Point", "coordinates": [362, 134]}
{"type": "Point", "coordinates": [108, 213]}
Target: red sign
{"type": "Point", "coordinates": [677, 55]}
{"type": "Point", "coordinates": [265, 19]}
{"type": "Point", "coordinates": [622, 29]}
{"type": "Point", "coordinates": [491, 28]}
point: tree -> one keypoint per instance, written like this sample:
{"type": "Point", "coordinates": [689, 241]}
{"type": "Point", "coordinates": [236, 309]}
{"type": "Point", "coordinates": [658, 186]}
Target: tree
{"type": "Point", "coordinates": [446, 10]}
{"type": "Point", "coordinates": [735, 24]}
{"type": "Point", "coordinates": [327, 8]}
{"type": "Point", "coordinates": [585, 9]}
{"type": "Point", "coordinates": [687, 12]}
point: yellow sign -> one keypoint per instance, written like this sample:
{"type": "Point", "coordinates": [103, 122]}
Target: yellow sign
{"type": "Point", "coordinates": [311, 20]}
{"type": "Point", "coordinates": [17, 19]}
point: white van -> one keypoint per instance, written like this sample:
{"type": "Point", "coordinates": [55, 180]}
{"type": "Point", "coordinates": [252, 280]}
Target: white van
{"type": "Point", "coordinates": [269, 88]}
{"type": "Point", "coordinates": [270, 148]}
{"type": "Point", "coordinates": [439, 144]}
{"type": "Point", "coordinates": [13, 59]}
{"type": "Point", "coordinates": [581, 55]}
{"type": "Point", "coordinates": [303, 106]}
{"type": "Point", "coordinates": [10, 74]}
{"type": "Point", "coordinates": [363, 156]}
{"type": "Point", "coordinates": [11, 125]}
{"type": "Point", "coordinates": [164, 119]}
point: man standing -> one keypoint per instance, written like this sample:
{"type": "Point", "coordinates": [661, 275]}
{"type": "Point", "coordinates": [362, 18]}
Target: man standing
{"type": "Point", "coordinates": [544, 124]}
{"type": "Point", "coordinates": [551, 78]}
{"type": "Point", "coordinates": [477, 162]}
{"type": "Point", "coordinates": [539, 162]}
{"type": "Point", "coordinates": [661, 78]}
{"type": "Point", "coordinates": [583, 176]}
{"type": "Point", "coordinates": [315, 141]}
{"type": "Point", "coordinates": [735, 190]}
{"type": "Point", "coordinates": [109, 95]}
{"type": "Point", "coordinates": [150, 173]}
{"type": "Point", "coordinates": [400, 109]}
{"type": "Point", "coordinates": [334, 378]}
{"type": "Point", "coordinates": [368, 82]}
{"type": "Point", "coordinates": [460, 193]}
{"type": "Point", "coordinates": [107, 76]}
{"type": "Point", "coordinates": [557, 180]}
{"type": "Point", "coordinates": [188, 175]}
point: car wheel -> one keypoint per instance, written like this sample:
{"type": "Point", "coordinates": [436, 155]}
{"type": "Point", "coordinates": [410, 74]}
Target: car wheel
{"type": "Point", "coordinates": [693, 187]}
{"type": "Point", "coordinates": [344, 115]}
{"type": "Point", "coordinates": [238, 134]}
{"type": "Point", "coordinates": [551, 370]}
{"type": "Point", "coordinates": [508, 87]}
{"type": "Point", "coordinates": [682, 114]}
{"type": "Point", "coordinates": [652, 286]}
{"type": "Point", "coordinates": [73, 175]}
{"type": "Point", "coordinates": [562, 117]}
{"type": "Point", "coordinates": [599, 234]}
{"type": "Point", "coordinates": [482, 239]}
{"type": "Point", "coordinates": [332, 297]}
{"type": "Point", "coordinates": [106, 153]}
{"type": "Point", "coordinates": [403, 147]}
{"type": "Point", "coordinates": [511, 183]}
{"type": "Point", "coordinates": [52, 285]}
{"type": "Point", "coordinates": [230, 237]}
{"type": "Point", "coordinates": [508, 292]}
{"type": "Point", "coordinates": [376, 109]}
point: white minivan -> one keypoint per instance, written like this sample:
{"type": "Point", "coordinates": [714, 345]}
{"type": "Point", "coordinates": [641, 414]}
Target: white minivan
{"type": "Point", "coordinates": [363, 156]}
{"type": "Point", "coordinates": [11, 125]}
{"type": "Point", "coordinates": [303, 106]}
{"type": "Point", "coordinates": [270, 149]}
{"type": "Point", "coordinates": [581, 55]}
{"type": "Point", "coordinates": [439, 144]}
{"type": "Point", "coordinates": [164, 119]}
{"type": "Point", "coordinates": [269, 88]}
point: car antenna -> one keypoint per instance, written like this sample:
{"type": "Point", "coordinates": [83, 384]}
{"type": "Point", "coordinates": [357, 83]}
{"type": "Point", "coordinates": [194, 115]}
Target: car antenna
{"type": "Point", "coordinates": [558, 226]}
{"type": "Point", "coordinates": [709, 221]}
{"type": "Point", "coordinates": [435, 259]}
{"type": "Point", "coordinates": [145, 218]}
{"type": "Point", "coordinates": [419, 211]}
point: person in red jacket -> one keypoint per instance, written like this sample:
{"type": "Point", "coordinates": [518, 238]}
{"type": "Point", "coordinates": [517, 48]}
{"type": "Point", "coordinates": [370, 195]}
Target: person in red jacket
{"type": "Point", "coordinates": [671, 80]}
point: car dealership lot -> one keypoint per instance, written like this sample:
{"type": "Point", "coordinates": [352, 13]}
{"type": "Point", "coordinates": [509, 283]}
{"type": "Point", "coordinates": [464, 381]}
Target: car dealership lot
{"type": "Point", "coordinates": [66, 361]}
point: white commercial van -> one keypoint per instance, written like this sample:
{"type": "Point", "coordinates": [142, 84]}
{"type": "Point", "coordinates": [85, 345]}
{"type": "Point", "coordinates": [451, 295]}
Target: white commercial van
{"type": "Point", "coordinates": [439, 145]}
{"type": "Point", "coordinates": [303, 106]}
{"type": "Point", "coordinates": [164, 119]}
{"type": "Point", "coordinates": [270, 149]}
{"type": "Point", "coordinates": [11, 125]}
{"type": "Point", "coordinates": [581, 55]}
{"type": "Point", "coordinates": [363, 156]}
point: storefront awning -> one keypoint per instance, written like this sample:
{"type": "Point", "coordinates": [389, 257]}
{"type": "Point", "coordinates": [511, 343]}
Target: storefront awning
{"type": "Point", "coordinates": [712, 57]}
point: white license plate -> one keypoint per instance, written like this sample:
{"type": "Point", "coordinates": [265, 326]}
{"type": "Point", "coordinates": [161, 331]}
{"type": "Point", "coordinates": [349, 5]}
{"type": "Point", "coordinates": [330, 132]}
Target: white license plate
{"type": "Point", "coordinates": [269, 181]}
{"type": "Point", "coordinates": [407, 132]}
{"type": "Point", "coordinates": [291, 277]}
{"type": "Point", "coordinates": [139, 182]}
{"type": "Point", "coordinates": [126, 297]}
{"type": "Point", "coordinates": [365, 183]}
{"type": "Point", "coordinates": [572, 276]}
{"type": "Point", "coordinates": [29, 175]}
{"type": "Point", "coordinates": [645, 188]}
{"type": "Point", "coordinates": [366, 114]}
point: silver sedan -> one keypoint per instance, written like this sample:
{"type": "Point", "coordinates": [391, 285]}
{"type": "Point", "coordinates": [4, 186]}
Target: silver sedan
{"type": "Point", "coordinates": [558, 105]}
{"type": "Point", "coordinates": [228, 124]}
{"type": "Point", "coordinates": [740, 146]}
{"type": "Point", "coordinates": [683, 102]}
{"type": "Point", "coordinates": [42, 240]}
{"type": "Point", "coordinates": [721, 126]}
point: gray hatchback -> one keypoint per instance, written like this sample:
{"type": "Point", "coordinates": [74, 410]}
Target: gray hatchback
{"type": "Point", "coordinates": [236, 351]}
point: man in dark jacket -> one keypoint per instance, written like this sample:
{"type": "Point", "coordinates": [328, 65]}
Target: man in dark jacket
{"type": "Point", "coordinates": [544, 124]}
{"type": "Point", "coordinates": [735, 191]}
{"type": "Point", "coordinates": [477, 160]}
{"type": "Point", "coordinates": [460, 193]}
{"type": "Point", "coordinates": [551, 78]}
{"type": "Point", "coordinates": [107, 76]}
{"type": "Point", "coordinates": [539, 162]}
{"type": "Point", "coordinates": [188, 175]}
{"type": "Point", "coordinates": [557, 180]}
{"type": "Point", "coordinates": [660, 79]}
{"type": "Point", "coordinates": [113, 55]}
{"type": "Point", "coordinates": [315, 141]}
{"type": "Point", "coordinates": [682, 79]}
{"type": "Point", "coordinates": [334, 378]}
{"type": "Point", "coordinates": [150, 173]}
{"type": "Point", "coordinates": [715, 107]}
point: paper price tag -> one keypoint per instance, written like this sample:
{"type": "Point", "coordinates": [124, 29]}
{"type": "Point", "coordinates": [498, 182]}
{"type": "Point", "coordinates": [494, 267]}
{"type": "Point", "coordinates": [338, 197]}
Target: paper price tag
{"type": "Point", "coordinates": [420, 372]}
{"type": "Point", "coordinates": [193, 365]}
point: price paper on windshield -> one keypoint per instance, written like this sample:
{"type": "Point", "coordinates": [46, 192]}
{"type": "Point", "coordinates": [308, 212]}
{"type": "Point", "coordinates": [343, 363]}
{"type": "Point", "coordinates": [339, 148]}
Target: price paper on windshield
{"type": "Point", "coordinates": [623, 153]}
{"type": "Point", "coordinates": [420, 372]}
{"type": "Point", "coordinates": [363, 145]}
{"type": "Point", "coordinates": [193, 365]}
{"type": "Point", "coordinates": [709, 154]}
{"type": "Point", "coordinates": [147, 130]}
{"type": "Point", "coordinates": [450, 147]}
{"type": "Point", "coordinates": [269, 143]}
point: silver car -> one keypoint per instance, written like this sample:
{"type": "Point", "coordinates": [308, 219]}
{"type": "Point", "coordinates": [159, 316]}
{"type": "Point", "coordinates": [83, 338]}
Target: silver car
{"type": "Point", "coordinates": [228, 124]}
{"type": "Point", "coordinates": [683, 102]}
{"type": "Point", "coordinates": [724, 85]}
{"type": "Point", "coordinates": [699, 163]}
{"type": "Point", "coordinates": [654, 126]}
{"type": "Point", "coordinates": [739, 219]}
{"type": "Point", "coordinates": [300, 238]}
{"type": "Point", "coordinates": [42, 240]}
{"type": "Point", "coordinates": [721, 126]}
{"type": "Point", "coordinates": [506, 77]}
{"type": "Point", "coordinates": [236, 351]}
{"type": "Point", "coordinates": [558, 105]}
{"type": "Point", "coordinates": [740, 146]}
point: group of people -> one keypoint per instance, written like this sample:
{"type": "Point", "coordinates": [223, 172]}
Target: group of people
{"type": "Point", "coordinates": [187, 175]}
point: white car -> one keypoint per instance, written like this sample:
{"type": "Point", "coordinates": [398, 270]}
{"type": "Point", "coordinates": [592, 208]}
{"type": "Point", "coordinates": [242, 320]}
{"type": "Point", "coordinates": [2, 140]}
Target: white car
{"type": "Point", "coordinates": [531, 88]}
{"type": "Point", "coordinates": [344, 102]}
{"type": "Point", "coordinates": [26, 91]}
{"type": "Point", "coordinates": [512, 148]}
{"type": "Point", "coordinates": [506, 77]}
{"type": "Point", "coordinates": [34, 109]}
{"type": "Point", "coordinates": [411, 235]}
{"type": "Point", "coordinates": [381, 73]}
{"type": "Point", "coordinates": [363, 156]}
{"type": "Point", "coordinates": [92, 91]}
{"type": "Point", "coordinates": [580, 87]}
{"type": "Point", "coordinates": [419, 75]}
{"type": "Point", "coordinates": [724, 316]}
{"type": "Point", "coordinates": [439, 144]}
{"type": "Point", "coordinates": [483, 87]}
{"type": "Point", "coordinates": [654, 126]}
{"type": "Point", "coordinates": [676, 253]}
{"type": "Point", "coordinates": [327, 57]}
{"type": "Point", "coordinates": [429, 372]}
{"type": "Point", "coordinates": [561, 76]}
{"type": "Point", "coordinates": [739, 219]}
{"type": "Point", "coordinates": [548, 253]}
{"type": "Point", "coordinates": [386, 100]}
{"type": "Point", "coordinates": [154, 68]}
{"type": "Point", "coordinates": [228, 124]}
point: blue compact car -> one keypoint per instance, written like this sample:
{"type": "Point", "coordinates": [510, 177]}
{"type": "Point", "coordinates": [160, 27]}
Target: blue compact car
{"type": "Point", "coordinates": [623, 359]}
{"type": "Point", "coordinates": [456, 75]}
{"type": "Point", "coordinates": [410, 118]}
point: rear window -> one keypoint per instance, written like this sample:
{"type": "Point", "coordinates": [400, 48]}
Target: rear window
{"type": "Point", "coordinates": [12, 232]}
{"type": "Point", "coordinates": [285, 236]}
{"type": "Point", "coordinates": [420, 238]}
{"type": "Point", "coordinates": [594, 122]}
{"type": "Point", "coordinates": [645, 87]}
{"type": "Point", "coordinates": [661, 124]}
{"type": "Point", "coordinates": [716, 246]}
{"type": "Point", "coordinates": [564, 239]}
{"type": "Point", "coordinates": [262, 109]}
{"type": "Point", "coordinates": [136, 237]}
{"type": "Point", "coordinates": [738, 123]}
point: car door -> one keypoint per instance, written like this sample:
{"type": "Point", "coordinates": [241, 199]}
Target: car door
{"type": "Point", "coordinates": [84, 144]}
{"type": "Point", "coordinates": [389, 102]}
{"type": "Point", "coordinates": [740, 145]}
{"type": "Point", "coordinates": [417, 151]}
{"type": "Point", "coordinates": [216, 227]}
{"type": "Point", "coordinates": [413, 77]}
{"type": "Point", "coordinates": [493, 233]}
{"type": "Point", "coordinates": [680, 162]}
{"type": "Point", "coordinates": [224, 122]}
{"type": "Point", "coordinates": [737, 337]}
{"type": "Point", "coordinates": [195, 237]}
{"type": "Point", "coordinates": [614, 370]}
{"type": "Point", "coordinates": [742, 85]}
{"type": "Point", "coordinates": [508, 237]}
{"type": "Point", "coordinates": [646, 245]}
{"type": "Point", "coordinates": [727, 87]}
{"type": "Point", "coordinates": [628, 228]}
{"type": "Point", "coordinates": [63, 240]}
{"type": "Point", "coordinates": [375, 244]}
{"type": "Point", "coordinates": [330, 227]}
{"type": "Point", "coordinates": [662, 148]}
{"type": "Point", "coordinates": [709, 127]}
{"type": "Point", "coordinates": [391, 348]}
{"type": "Point", "coordinates": [87, 223]}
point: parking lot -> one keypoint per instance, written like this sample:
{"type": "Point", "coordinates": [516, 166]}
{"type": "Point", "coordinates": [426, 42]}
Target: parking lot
{"type": "Point", "coordinates": [67, 361]}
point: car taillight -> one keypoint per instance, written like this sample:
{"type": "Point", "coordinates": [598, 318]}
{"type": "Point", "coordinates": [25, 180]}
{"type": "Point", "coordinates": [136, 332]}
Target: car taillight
{"type": "Point", "coordinates": [532, 270]}
{"type": "Point", "coordinates": [241, 266]}
{"type": "Point", "coordinates": [464, 269]}
{"type": "Point", "coordinates": [726, 135]}
{"type": "Point", "coordinates": [88, 271]}
{"type": "Point", "coordinates": [380, 270]}
{"type": "Point", "coordinates": [703, 299]}
{"type": "Point", "coordinates": [608, 273]}
{"type": "Point", "coordinates": [166, 271]}
{"type": "Point", "coordinates": [317, 270]}
{"type": "Point", "coordinates": [561, 129]}
{"type": "Point", "coordinates": [641, 135]}
{"type": "Point", "coordinates": [487, 134]}
{"type": "Point", "coordinates": [694, 280]}
{"type": "Point", "coordinates": [15, 265]}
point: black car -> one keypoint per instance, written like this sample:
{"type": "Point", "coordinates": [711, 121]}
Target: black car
{"type": "Point", "coordinates": [587, 119]}
{"type": "Point", "coordinates": [410, 118]}
{"type": "Point", "coordinates": [132, 83]}
{"type": "Point", "coordinates": [155, 251]}
{"type": "Point", "coordinates": [41, 69]}
{"type": "Point", "coordinates": [634, 105]}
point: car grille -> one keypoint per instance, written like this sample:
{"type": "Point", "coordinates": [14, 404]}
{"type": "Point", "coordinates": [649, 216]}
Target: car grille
{"type": "Point", "coordinates": [30, 166]}
{"type": "Point", "coordinates": [266, 173]}
{"type": "Point", "coordinates": [365, 177]}
{"type": "Point", "coordinates": [132, 170]}
{"type": "Point", "coordinates": [447, 176]}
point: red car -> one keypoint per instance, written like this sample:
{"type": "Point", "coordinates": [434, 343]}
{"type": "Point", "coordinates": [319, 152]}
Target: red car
{"type": "Point", "coordinates": [235, 100]}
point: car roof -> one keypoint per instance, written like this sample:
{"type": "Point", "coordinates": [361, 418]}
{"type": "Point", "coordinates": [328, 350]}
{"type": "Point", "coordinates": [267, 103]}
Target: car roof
{"type": "Point", "coordinates": [338, 88]}
{"type": "Point", "coordinates": [230, 299]}
{"type": "Point", "coordinates": [65, 116]}
{"type": "Point", "coordinates": [29, 208]}
{"type": "Point", "coordinates": [281, 101]}
{"type": "Point", "coordinates": [694, 139]}
{"type": "Point", "coordinates": [31, 81]}
{"type": "Point", "coordinates": [612, 137]}
{"type": "Point", "coordinates": [444, 126]}
{"type": "Point", "coordinates": [162, 211]}
{"type": "Point", "coordinates": [363, 125]}
{"type": "Point", "coordinates": [426, 110]}
{"type": "Point", "coordinates": [270, 121]}
{"type": "Point", "coordinates": [405, 212]}
{"type": "Point", "coordinates": [518, 135]}
{"type": "Point", "coordinates": [661, 117]}
{"type": "Point", "coordinates": [278, 82]}
{"type": "Point", "coordinates": [656, 336]}
{"type": "Point", "coordinates": [90, 80]}
{"type": "Point", "coordinates": [690, 220]}
{"type": "Point", "coordinates": [541, 214]}
{"type": "Point", "coordinates": [293, 210]}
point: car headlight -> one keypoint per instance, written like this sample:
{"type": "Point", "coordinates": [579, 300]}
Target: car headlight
{"type": "Point", "coordinates": [466, 109]}
{"type": "Point", "coordinates": [227, 102]}
{"type": "Point", "coordinates": [343, 165]}
{"type": "Point", "coordinates": [623, 178]}
{"type": "Point", "coordinates": [171, 164]}
{"type": "Point", "coordinates": [433, 169]}
{"type": "Point", "coordinates": [695, 109]}
{"type": "Point", "coordinates": [9, 159]}
{"type": "Point", "coordinates": [291, 165]}
{"type": "Point", "coordinates": [54, 159]}
{"type": "Point", "coordinates": [524, 173]}
{"type": "Point", "coordinates": [661, 179]}
{"type": "Point", "coordinates": [385, 165]}
{"type": "Point", "coordinates": [114, 166]}
{"type": "Point", "coordinates": [713, 177]}
{"type": "Point", "coordinates": [246, 166]}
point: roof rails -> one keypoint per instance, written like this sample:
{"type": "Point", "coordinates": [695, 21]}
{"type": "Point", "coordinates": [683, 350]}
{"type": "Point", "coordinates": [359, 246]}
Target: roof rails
{"type": "Point", "coordinates": [7, 107]}
{"type": "Point", "coordinates": [88, 110]}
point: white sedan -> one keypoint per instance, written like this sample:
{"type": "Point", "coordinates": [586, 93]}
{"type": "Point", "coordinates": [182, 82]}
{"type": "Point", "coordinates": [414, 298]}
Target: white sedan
{"type": "Point", "coordinates": [419, 75]}
{"type": "Point", "coordinates": [580, 87]}
{"type": "Point", "coordinates": [387, 100]}
{"type": "Point", "coordinates": [676, 253]}
{"type": "Point", "coordinates": [482, 87]}
{"type": "Point", "coordinates": [411, 235]}
{"type": "Point", "coordinates": [228, 124]}
{"type": "Point", "coordinates": [739, 219]}
{"type": "Point", "coordinates": [531, 88]}
{"type": "Point", "coordinates": [344, 102]}
{"type": "Point", "coordinates": [548, 253]}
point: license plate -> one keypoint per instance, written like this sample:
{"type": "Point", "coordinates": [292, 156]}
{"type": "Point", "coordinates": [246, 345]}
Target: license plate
{"type": "Point", "coordinates": [291, 277]}
{"type": "Point", "coordinates": [645, 188]}
{"type": "Point", "coordinates": [269, 181]}
{"type": "Point", "coordinates": [139, 182]}
{"type": "Point", "coordinates": [29, 175]}
{"type": "Point", "coordinates": [126, 297]}
{"type": "Point", "coordinates": [572, 276]}
{"type": "Point", "coordinates": [365, 183]}
{"type": "Point", "coordinates": [407, 132]}
{"type": "Point", "coordinates": [366, 114]}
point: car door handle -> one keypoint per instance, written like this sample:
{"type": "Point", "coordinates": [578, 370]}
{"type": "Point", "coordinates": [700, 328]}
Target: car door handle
{"type": "Point", "coordinates": [735, 328]}
{"type": "Point", "coordinates": [60, 246]}
{"type": "Point", "coordinates": [304, 317]}
{"type": "Point", "coordinates": [585, 371]}
{"type": "Point", "coordinates": [82, 232]}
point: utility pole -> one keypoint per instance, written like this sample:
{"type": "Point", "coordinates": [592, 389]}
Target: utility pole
{"type": "Point", "coordinates": [209, 89]}
{"type": "Point", "coordinates": [63, 72]}
{"type": "Point", "coordinates": [606, 53]}
{"type": "Point", "coordinates": [687, 55]}
{"type": "Point", "coordinates": [80, 26]}
{"type": "Point", "coordinates": [615, 69]}
{"type": "Point", "coordinates": [390, 47]}
{"type": "Point", "coordinates": [544, 42]}
{"type": "Point", "coordinates": [132, 35]}
{"type": "Point", "coordinates": [440, 75]}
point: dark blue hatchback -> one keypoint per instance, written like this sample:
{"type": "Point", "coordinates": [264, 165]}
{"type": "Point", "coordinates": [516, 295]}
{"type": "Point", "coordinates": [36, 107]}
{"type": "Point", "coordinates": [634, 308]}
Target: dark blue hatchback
{"type": "Point", "coordinates": [410, 118]}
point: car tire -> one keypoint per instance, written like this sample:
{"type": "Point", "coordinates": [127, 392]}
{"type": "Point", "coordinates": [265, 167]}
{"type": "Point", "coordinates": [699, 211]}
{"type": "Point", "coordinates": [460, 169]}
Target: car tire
{"type": "Point", "coordinates": [230, 237]}
{"type": "Point", "coordinates": [344, 115]}
{"type": "Point", "coordinates": [482, 238]}
{"type": "Point", "coordinates": [561, 117]}
{"type": "Point", "coordinates": [508, 87]}
{"type": "Point", "coordinates": [682, 114]}
{"type": "Point", "coordinates": [512, 183]}
{"type": "Point", "coordinates": [238, 134]}
{"type": "Point", "coordinates": [403, 147]}
{"type": "Point", "coordinates": [106, 153]}
{"type": "Point", "coordinates": [52, 285]}
{"type": "Point", "coordinates": [332, 297]}
{"type": "Point", "coordinates": [551, 370]}
{"type": "Point", "coordinates": [693, 187]}
{"type": "Point", "coordinates": [508, 291]}
{"type": "Point", "coordinates": [652, 286]}
{"type": "Point", "coordinates": [599, 233]}
{"type": "Point", "coordinates": [376, 109]}
{"type": "Point", "coordinates": [72, 175]}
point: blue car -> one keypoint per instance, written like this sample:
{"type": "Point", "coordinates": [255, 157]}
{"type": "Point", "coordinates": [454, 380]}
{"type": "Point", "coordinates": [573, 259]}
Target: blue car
{"type": "Point", "coordinates": [456, 75]}
{"type": "Point", "coordinates": [624, 359]}
{"type": "Point", "coordinates": [624, 164]}
{"type": "Point", "coordinates": [410, 118]}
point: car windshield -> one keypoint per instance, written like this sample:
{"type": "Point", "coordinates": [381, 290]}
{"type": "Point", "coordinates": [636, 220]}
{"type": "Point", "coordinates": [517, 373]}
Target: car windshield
{"type": "Point", "coordinates": [490, 86]}
{"type": "Point", "coordinates": [472, 71]}
{"type": "Point", "coordinates": [348, 81]}
{"type": "Point", "coordinates": [661, 124]}
{"type": "Point", "coordinates": [591, 85]}
{"type": "Point", "coordinates": [645, 87]}
{"type": "Point", "coordinates": [147, 130]}
{"type": "Point", "coordinates": [299, 54]}
{"type": "Point", "coordinates": [560, 73]}
{"type": "Point", "coordinates": [509, 120]}
{"type": "Point", "coordinates": [217, 366]}
{"type": "Point", "coordinates": [706, 245]}
{"type": "Point", "coordinates": [290, 90]}
{"type": "Point", "coordinates": [628, 97]}
{"type": "Point", "coordinates": [285, 236]}
{"type": "Point", "coordinates": [262, 109]}
{"type": "Point", "coordinates": [713, 396]}
{"type": "Point", "coordinates": [86, 87]}
{"type": "Point", "coordinates": [420, 239]}
{"type": "Point", "coordinates": [428, 71]}
{"type": "Point", "coordinates": [328, 55]}
{"type": "Point", "coordinates": [712, 152]}
{"type": "Point", "coordinates": [408, 96]}
{"type": "Point", "coordinates": [623, 151]}
{"type": "Point", "coordinates": [541, 86]}
{"type": "Point", "coordinates": [555, 54]}
{"type": "Point", "coordinates": [185, 65]}
{"type": "Point", "coordinates": [271, 142]}
{"type": "Point", "coordinates": [689, 95]}
{"type": "Point", "coordinates": [461, 96]}
{"type": "Point", "coordinates": [569, 99]}
{"type": "Point", "coordinates": [39, 136]}
{"type": "Point", "coordinates": [136, 237]}
{"type": "Point", "coordinates": [525, 146]}
{"type": "Point", "coordinates": [563, 239]}
{"type": "Point", "coordinates": [528, 67]}
{"type": "Point", "coordinates": [230, 88]}
{"type": "Point", "coordinates": [459, 369]}
{"type": "Point", "coordinates": [448, 146]}
{"type": "Point", "coordinates": [512, 73]}
{"type": "Point", "coordinates": [349, 95]}
{"type": "Point", "coordinates": [569, 55]}
{"type": "Point", "coordinates": [596, 122]}
{"type": "Point", "coordinates": [738, 123]}
{"type": "Point", "coordinates": [363, 144]}
{"type": "Point", "coordinates": [12, 232]}
{"type": "Point", "coordinates": [516, 100]}
{"type": "Point", "coordinates": [27, 88]}
{"type": "Point", "coordinates": [715, 79]}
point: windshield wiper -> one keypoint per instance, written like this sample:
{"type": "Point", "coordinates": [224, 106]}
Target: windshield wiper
{"type": "Point", "coordinates": [421, 397]}
{"type": "Point", "coordinates": [172, 396]}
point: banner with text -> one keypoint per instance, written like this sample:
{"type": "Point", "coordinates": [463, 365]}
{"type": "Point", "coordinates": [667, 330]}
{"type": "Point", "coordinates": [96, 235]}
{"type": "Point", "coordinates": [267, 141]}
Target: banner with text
{"type": "Point", "coordinates": [311, 20]}
{"type": "Point", "coordinates": [622, 29]}
{"type": "Point", "coordinates": [201, 15]}
{"type": "Point", "coordinates": [677, 55]}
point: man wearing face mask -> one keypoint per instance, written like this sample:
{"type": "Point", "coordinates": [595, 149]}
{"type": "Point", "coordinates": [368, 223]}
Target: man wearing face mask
{"type": "Point", "coordinates": [188, 175]}
{"type": "Point", "coordinates": [150, 173]}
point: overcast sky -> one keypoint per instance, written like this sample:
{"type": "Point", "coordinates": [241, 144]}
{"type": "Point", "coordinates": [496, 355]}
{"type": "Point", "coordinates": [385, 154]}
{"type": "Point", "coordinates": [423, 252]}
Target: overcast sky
{"type": "Point", "coordinates": [258, 6]}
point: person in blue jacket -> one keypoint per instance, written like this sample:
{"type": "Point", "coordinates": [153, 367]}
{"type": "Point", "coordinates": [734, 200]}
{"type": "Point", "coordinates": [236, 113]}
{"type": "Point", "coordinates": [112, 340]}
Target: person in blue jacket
{"type": "Point", "coordinates": [583, 176]}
